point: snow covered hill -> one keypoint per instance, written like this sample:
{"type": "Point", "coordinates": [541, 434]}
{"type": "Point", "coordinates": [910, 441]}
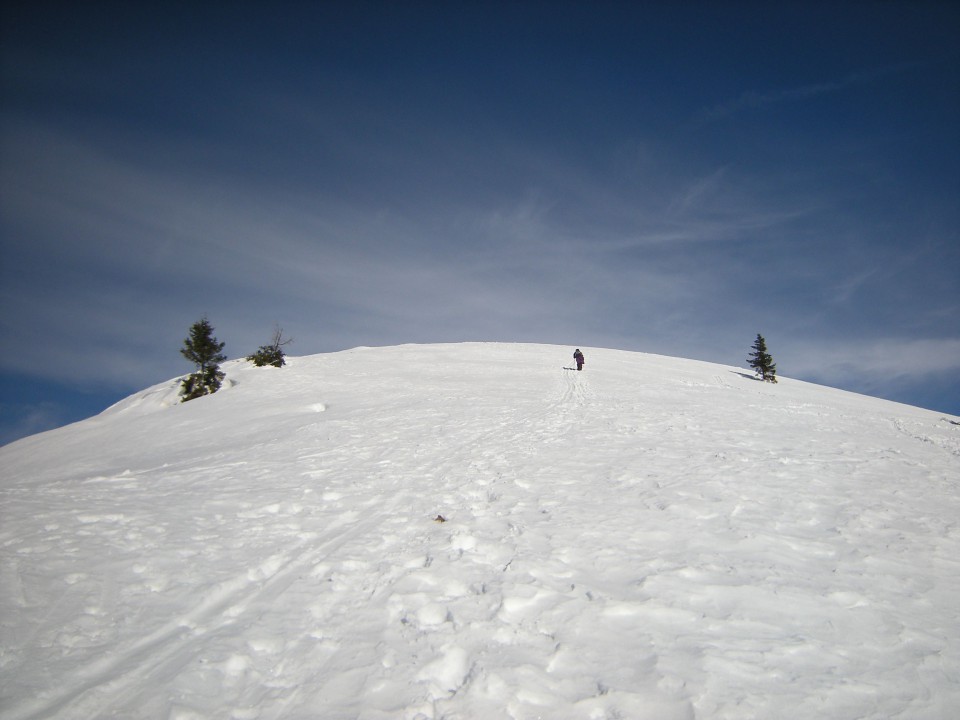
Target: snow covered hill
{"type": "Point", "coordinates": [650, 538]}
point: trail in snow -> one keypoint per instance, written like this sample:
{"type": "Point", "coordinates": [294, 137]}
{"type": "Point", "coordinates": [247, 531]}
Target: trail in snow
{"type": "Point", "coordinates": [650, 538]}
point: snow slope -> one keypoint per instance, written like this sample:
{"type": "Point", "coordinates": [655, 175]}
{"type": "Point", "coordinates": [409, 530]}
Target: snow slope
{"type": "Point", "coordinates": [650, 538]}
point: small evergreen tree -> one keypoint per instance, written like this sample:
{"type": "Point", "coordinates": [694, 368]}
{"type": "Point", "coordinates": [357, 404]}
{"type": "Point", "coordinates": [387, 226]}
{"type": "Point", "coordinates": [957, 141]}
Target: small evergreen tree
{"type": "Point", "coordinates": [202, 349]}
{"type": "Point", "coordinates": [761, 361]}
{"type": "Point", "coordinates": [271, 354]}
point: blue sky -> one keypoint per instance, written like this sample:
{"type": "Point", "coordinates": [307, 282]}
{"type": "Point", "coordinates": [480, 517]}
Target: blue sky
{"type": "Point", "coordinates": [667, 177]}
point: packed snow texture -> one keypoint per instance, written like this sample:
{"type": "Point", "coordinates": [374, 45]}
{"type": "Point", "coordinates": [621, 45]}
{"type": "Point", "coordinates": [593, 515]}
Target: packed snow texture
{"type": "Point", "coordinates": [649, 538]}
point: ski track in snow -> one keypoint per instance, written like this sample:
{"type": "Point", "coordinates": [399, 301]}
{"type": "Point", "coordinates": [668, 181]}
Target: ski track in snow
{"type": "Point", "coordinates": [650, 538]}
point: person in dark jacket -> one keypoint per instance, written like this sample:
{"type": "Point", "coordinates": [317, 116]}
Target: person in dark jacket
{"type": "Point", "coordinates": [578, 356]}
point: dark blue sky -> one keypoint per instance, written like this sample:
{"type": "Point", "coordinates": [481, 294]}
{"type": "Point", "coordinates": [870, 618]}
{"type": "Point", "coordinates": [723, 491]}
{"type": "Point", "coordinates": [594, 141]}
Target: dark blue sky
{"type": "Point", "coordinates": [669, 177]}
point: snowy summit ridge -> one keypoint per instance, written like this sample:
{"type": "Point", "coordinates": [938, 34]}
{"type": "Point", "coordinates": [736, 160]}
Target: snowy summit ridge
{"type": "Point", "coordinates": [648, 538]}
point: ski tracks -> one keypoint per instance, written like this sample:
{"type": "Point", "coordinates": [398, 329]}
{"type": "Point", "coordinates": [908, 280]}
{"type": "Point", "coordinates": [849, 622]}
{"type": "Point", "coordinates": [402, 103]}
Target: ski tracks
{"type": "Point", "coordinates": [483, 597]}
{"type": "Point", "coordinates": [107, 681]}
{"type": "Point", "coordinates": [456, 615]}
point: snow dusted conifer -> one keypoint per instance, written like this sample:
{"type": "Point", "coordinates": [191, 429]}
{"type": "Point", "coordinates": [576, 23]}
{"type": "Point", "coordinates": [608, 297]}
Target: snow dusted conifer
{"type": "Point", "coordinates": [202, 349]}
{"type": "Point", "coordinates": [761, 361]}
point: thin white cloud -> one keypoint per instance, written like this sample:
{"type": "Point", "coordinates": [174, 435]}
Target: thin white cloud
{"type": "Point", "coordinates": [871, 361]}
{"type": "Point", "coordinates": [850, 286]}
{"type": "Point", "coordinates": [700, 192]}
{"type": "Point", "coordinates": [29, 420]}
{"type": "Point", "coordinates": [754, 100]}
{"type": "Point", "coordinates": [135, 254]}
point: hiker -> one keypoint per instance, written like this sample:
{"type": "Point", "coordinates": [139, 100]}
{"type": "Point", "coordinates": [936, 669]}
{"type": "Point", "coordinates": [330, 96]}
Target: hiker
{"type": "Point", "coordinates": [578, 356]}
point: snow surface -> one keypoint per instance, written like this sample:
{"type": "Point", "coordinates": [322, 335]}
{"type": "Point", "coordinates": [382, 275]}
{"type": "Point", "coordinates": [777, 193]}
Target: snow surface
{"type": "Point", "coordinates": [650, 538]}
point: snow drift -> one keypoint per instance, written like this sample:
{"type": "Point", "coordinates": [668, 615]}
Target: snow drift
{"type": "Point", "coordinates": [650, 538]}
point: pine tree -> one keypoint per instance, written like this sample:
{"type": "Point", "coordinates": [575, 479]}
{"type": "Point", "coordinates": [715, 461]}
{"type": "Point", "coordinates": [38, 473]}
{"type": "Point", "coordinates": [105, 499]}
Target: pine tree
{"type": "Point", "coordinates": [271, 354]}
{"type": "Point", "coordinates": [202, 349]}
{"type": "Point", "coordinates": [761, 361]}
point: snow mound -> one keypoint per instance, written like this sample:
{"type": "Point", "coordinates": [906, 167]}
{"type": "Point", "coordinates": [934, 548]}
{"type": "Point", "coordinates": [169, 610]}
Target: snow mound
{"type": "Point", "coordinates": [167, 394]}
{"type": "Point", "coordinates": [648, 538]}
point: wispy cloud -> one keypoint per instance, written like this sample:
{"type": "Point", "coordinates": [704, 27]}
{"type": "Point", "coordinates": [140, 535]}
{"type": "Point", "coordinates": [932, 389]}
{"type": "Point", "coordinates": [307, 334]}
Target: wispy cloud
{"type": "Point", "coordinates": [129, 253]}
{"type": "Point", "coordinates": [755, 100]}
{"type": "Point", "coordinates": [871, 362]}
{"type": "Point", "coordinates": [20, 420]}
{"type": "Point", "coordinates": [848, 287]}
